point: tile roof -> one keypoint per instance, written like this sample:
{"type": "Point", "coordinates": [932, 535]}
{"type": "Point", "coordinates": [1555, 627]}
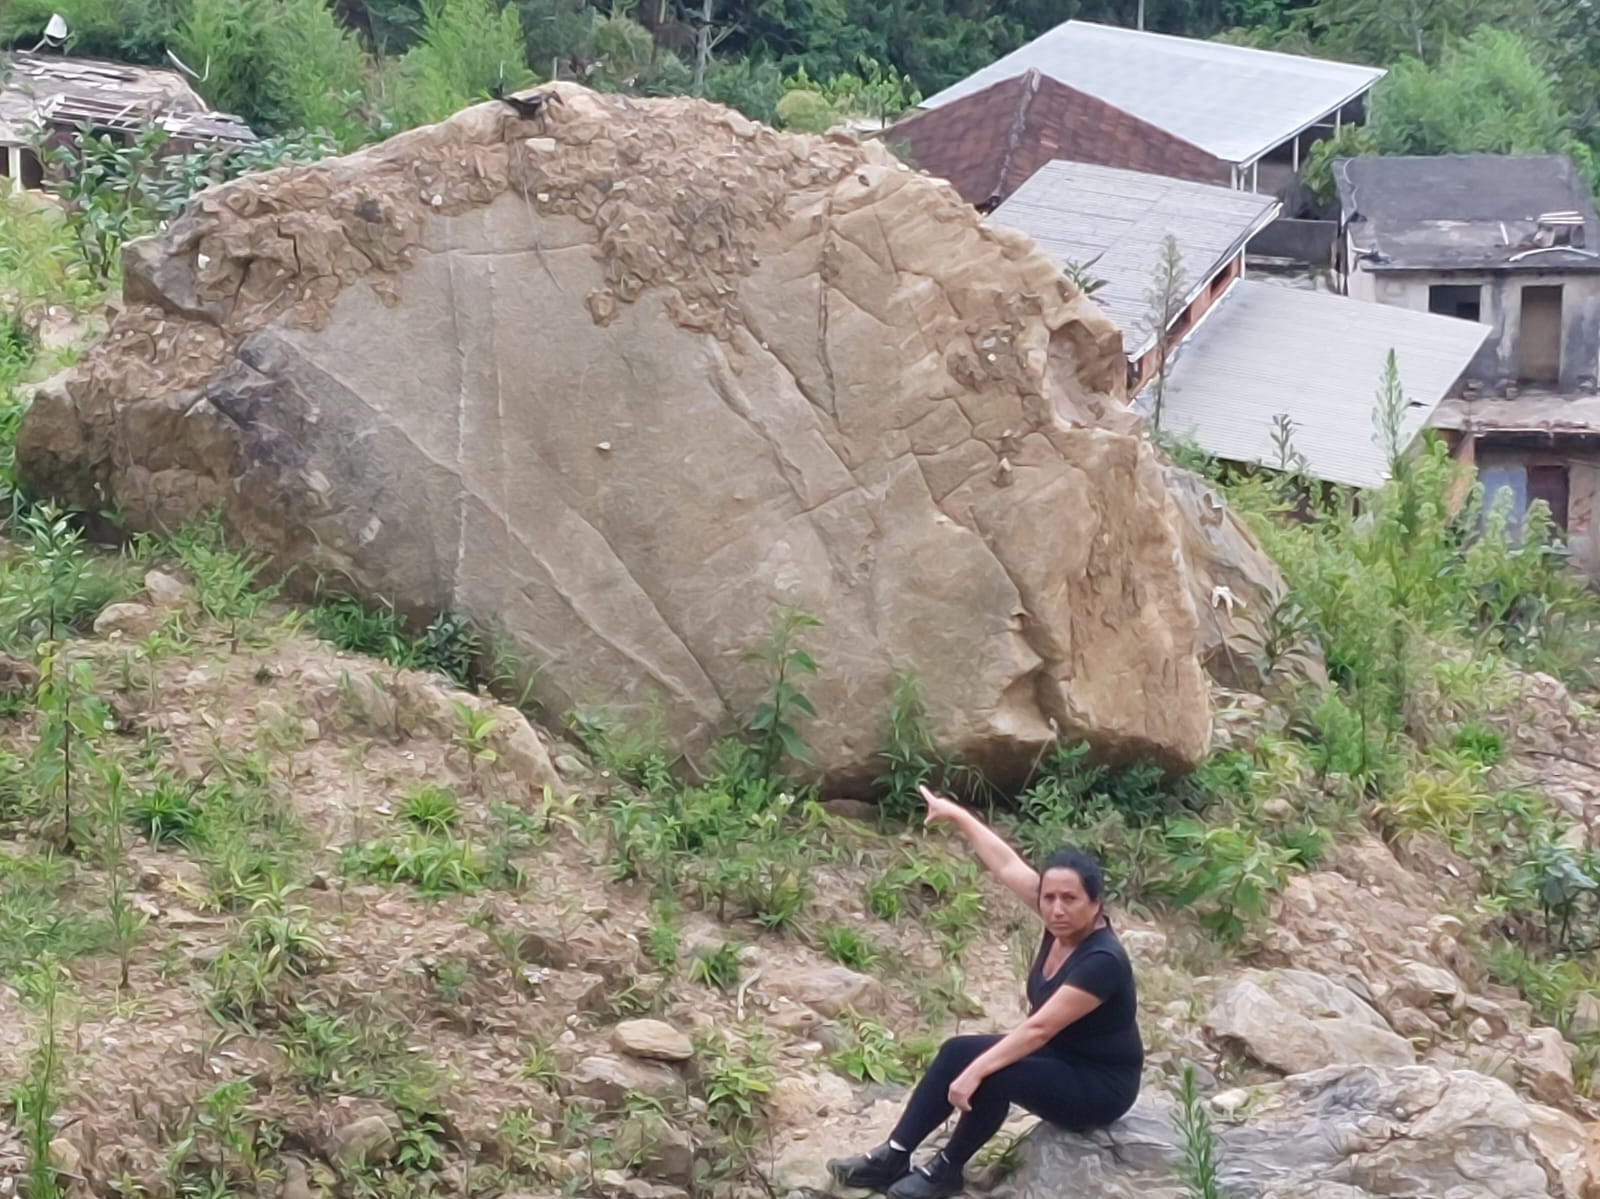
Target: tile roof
{"type": "Point", "coordinates": [989, 141]}
{"type": "Point", "coordinates": [1317, 358]}
{"type": "Point", "coordinates": [1119, 220]}
{"type": "Point", "coordinates": [1231, 101]}
{"type": "Point", "coordinates": [1464, 211]}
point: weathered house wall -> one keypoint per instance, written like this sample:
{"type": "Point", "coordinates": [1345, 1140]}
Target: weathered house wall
{"type": "Point", "coordinates": [1501, 309]}
{"type": "Point", "coordinates": [1516, 464]}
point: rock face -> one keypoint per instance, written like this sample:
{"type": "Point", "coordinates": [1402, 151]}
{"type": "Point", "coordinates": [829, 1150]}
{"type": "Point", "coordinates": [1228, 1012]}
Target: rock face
{"type": "Point", "coordinates": [621, 379]}
{"type": "Point", "coordinates": [1338, 1133]}
{"type": "Point", "coordinates": [1296, 1021]}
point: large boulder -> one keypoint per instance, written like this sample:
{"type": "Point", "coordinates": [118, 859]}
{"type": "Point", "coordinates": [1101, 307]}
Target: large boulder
{"type": "Point", "coordinates": [1296, 1021]}
{"type": "Point", "coordinates": [619, 380]}
{"type": "Point", "coordinates": [1338, 1133]}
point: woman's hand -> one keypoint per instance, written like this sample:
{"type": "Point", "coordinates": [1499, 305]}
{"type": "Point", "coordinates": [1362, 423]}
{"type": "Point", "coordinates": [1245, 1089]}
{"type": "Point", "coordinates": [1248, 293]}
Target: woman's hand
{"type": "Point", "coordinates": [960, 1093]}
{"type": "Point", "coordinates": [939, 808]}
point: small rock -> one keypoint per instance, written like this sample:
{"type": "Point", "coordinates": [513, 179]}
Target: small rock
{"type": "Point", "coordinates": [663, 1150]}
{"type": "Point", "coordinates": [120, 618]}
{"type": "Point", "coordinates": [827, 989]}
{"type": "Point", "coordinates": [164, 590]}
{"type": "Point", "coordinates": [1146, 946]}
{"type": "Point", "coordinates": [1278, 808]}
{"type": "Point", "coordinates": [609, 1079]}
{"type": "Point", "coordinates": [1229, 1102]}
{"type": "Point", "coordinates": [364, 1141]}
{"type": "Point", "coordinates": [1412, 1024]}
{"type": "Point", "coordinates": [570, 766]}
{"type": "Point", "coordinates": [1546, 1065]}
{"type": "Point", "coordinates": [310, 730]}
{"type": "Point", "coordinates": [1423, 986]}
{"type": "Point", "coordinates": [18, 679]}
{"type": "Point", "coordinates": [801, 1099]}
{"type": "Point", "coordinates": [1585, 1020]}
{"type": "Point", "coordinates": [852, 809]}
{"type": "Point", "coordinates": [651, 1039]}
{"type": "Point", "coordinates": [65, 1157]}
{"type": "Point", "coordinates": [1479, 1031]}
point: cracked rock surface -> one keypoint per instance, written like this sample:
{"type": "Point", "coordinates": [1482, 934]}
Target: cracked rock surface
{"type": "Point", "coordinates": [618, 380]}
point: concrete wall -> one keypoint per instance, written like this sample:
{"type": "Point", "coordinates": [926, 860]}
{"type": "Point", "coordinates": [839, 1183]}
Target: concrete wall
{"type": "Point", "coordinates": [1493, 460]}
{"type": "Point", "coordinates": [1501, 309]}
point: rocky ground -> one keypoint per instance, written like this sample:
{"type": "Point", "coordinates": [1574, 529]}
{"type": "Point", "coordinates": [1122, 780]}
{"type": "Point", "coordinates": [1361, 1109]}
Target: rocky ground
{"type": "Point", "coordinates": [359, 1020]}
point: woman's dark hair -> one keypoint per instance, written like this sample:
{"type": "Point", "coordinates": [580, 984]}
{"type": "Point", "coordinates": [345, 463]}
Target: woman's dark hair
{"type": "Point", "coordinates": [1081, 864]}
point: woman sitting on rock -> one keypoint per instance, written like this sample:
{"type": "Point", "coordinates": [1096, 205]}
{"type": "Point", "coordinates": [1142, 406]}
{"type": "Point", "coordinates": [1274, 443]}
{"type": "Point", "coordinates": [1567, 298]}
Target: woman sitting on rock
{"type": "Point", "coordinates": [1075, 1061]}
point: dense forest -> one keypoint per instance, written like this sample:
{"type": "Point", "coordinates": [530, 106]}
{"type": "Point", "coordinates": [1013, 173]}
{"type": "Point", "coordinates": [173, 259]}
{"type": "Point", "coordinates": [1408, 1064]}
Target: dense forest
{"type": "Point", "coordinates": [1465, 75]}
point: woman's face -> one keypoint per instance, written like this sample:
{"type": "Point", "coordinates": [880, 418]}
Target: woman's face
{"type": "Point", "coordinates": [1066, 907]}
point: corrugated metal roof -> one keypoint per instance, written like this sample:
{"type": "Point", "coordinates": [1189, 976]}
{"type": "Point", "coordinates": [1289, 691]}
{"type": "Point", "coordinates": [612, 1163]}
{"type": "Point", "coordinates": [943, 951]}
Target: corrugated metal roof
{"type": "Point", "coordinates": [1232, 101]}
{"type": "Point", "coordinates": [1265, 350]}
{"type": "Point", "coordinates": [1078, 212]}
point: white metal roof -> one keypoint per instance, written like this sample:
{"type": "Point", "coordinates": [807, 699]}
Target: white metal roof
{"type": "Point", "coordinates": [1317, 357]}
{"type": "Point", "coordinates": [1232, 101]}
{"type": "Point", "coordinates": [1119, 219]}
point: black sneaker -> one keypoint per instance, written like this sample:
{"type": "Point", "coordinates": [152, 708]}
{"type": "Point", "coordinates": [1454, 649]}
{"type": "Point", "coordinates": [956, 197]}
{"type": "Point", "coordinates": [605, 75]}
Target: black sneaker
{"type": "Point", "coordinates": [877, 1170]}
{"type": "Point", "coordinates": [938, 1179]}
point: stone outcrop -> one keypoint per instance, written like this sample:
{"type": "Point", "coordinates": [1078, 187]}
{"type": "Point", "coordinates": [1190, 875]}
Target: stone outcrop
{"type": "Point", "coordinates": [621, 379]}
{"type": "Point", "coordinates": [1338, 1133]}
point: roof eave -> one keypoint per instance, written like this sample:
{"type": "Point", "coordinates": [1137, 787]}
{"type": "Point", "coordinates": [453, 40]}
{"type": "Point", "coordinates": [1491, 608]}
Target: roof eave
{"type": "Point", "coordinates": [1261, 153]}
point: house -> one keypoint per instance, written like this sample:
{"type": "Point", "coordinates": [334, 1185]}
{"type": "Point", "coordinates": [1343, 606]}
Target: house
{"type": "Point", "coordinates": [1231, 114]}
{"type": "Point", "coordinates": [1510, 243]}
{"type": "Point", "coordinates": [1269, 354]}
{"type": "Point", "coordinates": [48, 96]}
{"type": "Point", "coordinates": [987, 142]}
{"type": "Point", "coordinates": [1111, 225]}
{"type": "Point", "coordinates": [1535, 448]}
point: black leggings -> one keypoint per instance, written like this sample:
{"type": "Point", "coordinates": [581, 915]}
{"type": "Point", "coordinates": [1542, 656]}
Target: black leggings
{"type": "Point", "coordinates": [1072, 1094]}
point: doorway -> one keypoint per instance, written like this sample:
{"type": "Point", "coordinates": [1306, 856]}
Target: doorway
{"type": "Point", "coordinates": [1539, 336]}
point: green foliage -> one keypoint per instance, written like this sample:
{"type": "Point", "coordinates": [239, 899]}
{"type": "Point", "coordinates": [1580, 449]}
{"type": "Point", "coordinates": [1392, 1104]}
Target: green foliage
{"type": "Point", "coordinates": [42, 914]}
{"type": "Point", "coordinates": [912, 757]}
{"type": "Point", "coordinates": [448, 645]}
{"type": "Point", "coordinates": [717, 967]}
{"type": "Point", "coordinates": [771, 724]}
{"type": "Point", "coordinates": [273, 948]}
{"type": "Point", "coordinates": [431, 810]}
{"type": "Point", "coordinates": [167, 813]}
{"type": "Point", "coordinates": [850, 947]}
{"type": "Point", "coordinates": [1198, 1167]}
{"type": "Point", "coordinates": [37, 1096]}
{"type": "Point", "coordinates": [1226, 875]}
{"type": "Point", "coordinates": [50, 583]}
{"type": "Point", "coordinates": [226, 582]}
{"type": "Point", "coordinates": [435, 865]}
{"type": "Point", "coordinates": [465, 48]}
{"type": "Point", "coordinates": [735, 1079]}
{"type": "Point", "coordinates": [661, 940]}
{"type": "Point", "coordinates": [875, 1054]}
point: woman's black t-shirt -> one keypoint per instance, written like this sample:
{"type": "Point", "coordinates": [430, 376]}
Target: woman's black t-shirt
{"type": "Point", "coordinates": [1109, 1035]}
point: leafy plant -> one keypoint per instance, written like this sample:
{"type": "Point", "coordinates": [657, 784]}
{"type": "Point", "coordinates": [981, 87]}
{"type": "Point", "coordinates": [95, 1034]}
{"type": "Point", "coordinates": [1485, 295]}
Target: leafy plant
{"type": "Point", "coordinates": [436, 866]}
{"type": "Point", "coordinates": [717, 967]}
{"type": "Point", "coordinates": [1199, 1141]}
{"type": "Point", "coordinates": [771, 724]}
{"type": "Point", "coordinates": [167, 812]}
{"type": "Point", "coordinates": [877, 1055]}
{"type": "Point", "coordinates": [432, 810]}
{"type": "Point", "coordinates": [37, 1096]}
{"type": "Point", "coordinates": [1228, 875]}
{"type": "Point", "coordinates": [849, 948]}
